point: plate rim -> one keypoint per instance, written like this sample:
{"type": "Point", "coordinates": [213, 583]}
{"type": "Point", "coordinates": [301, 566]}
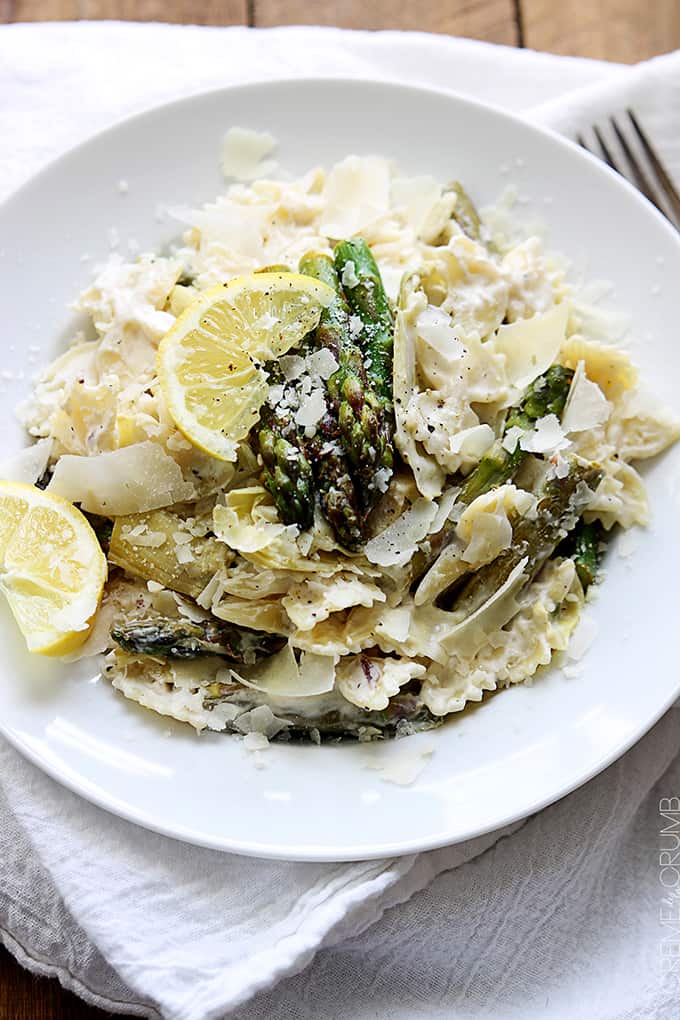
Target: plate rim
{"type": "Point", "coordinates": [90, 791]}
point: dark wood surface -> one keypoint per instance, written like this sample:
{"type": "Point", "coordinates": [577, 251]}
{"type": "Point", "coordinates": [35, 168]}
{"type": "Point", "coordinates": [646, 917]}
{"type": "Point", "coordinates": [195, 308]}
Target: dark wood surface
{"type": "Point", "coordinates": [25, 997]}
{"type": "Point", "coordinates": [624, 30]}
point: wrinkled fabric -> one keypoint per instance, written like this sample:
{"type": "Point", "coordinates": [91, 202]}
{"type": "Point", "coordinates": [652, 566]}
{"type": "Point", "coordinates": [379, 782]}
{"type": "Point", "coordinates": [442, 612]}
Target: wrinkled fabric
{"type": "Point", "coordinates": [563, 914]}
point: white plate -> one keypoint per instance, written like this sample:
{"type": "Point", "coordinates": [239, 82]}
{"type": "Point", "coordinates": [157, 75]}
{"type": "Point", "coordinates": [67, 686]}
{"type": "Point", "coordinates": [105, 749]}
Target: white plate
{"type": "Point", "coordinates": [522, 748]}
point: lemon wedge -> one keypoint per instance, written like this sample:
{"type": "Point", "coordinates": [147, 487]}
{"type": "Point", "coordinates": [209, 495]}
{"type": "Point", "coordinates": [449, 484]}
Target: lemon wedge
{"type": "Point", "coordinates": [52, 568]}
{"type": "Point", "coordinates": [210, 363]}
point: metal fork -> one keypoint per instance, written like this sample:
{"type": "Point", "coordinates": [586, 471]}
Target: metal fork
{"type": "Point", "coordinates": [656, 185]}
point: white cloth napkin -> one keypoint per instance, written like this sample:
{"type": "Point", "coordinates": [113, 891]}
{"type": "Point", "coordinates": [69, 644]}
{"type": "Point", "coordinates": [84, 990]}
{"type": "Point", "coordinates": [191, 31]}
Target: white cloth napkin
{"type": "Point", "coordinates": [565, 914]}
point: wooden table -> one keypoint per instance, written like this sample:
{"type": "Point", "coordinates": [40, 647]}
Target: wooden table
{"type": "Point", "coordinates": [624, 30]}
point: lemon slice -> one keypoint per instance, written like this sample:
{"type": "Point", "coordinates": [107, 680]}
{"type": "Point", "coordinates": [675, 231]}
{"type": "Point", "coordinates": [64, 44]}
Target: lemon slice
{"type": "Point", "coordinates": [52, 568]}
{"type": "Point", "coordinates": [210, 363]}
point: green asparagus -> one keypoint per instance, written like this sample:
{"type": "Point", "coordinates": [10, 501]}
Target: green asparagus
{"type": "Point", "coordinates": [181, 639]}
{"type": "Point", "coordinates": [287, 472]}
{"type": "Point", "coordinates": [562, 502]}
{"type": "Point", "coordinates": [464, 213]}
{"type": "Point", "coordinates": [336, 721]}
{"type": "Point", "coordinates": [366, 410]}
{"type": "Point", "coordinates": [337, 492]}
{"type": "Point", "coordinates": [584, 546]}
{"type": "Point", "coordinates": [547, 395]}
{"type": "Point", "coordinates": [367, 299]}
{"type": "Point", "coordinates": [359, 410]}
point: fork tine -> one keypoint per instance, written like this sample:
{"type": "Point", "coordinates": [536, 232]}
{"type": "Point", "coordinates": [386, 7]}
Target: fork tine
{"type": "Point", "coordinates": [641, 178]}
{"type": "Point", "coordinates": [662, 173]}
{"type": "Point", "coordinates": [608, 158]}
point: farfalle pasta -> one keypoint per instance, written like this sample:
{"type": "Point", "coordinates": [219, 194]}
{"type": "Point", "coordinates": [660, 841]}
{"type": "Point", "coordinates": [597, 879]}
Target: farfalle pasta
{"type": "Point", "coordinates": [413, 511]}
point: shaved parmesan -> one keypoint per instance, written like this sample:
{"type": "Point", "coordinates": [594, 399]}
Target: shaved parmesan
{"type": "Point", "coordinates": [131, 480]}
{"type": "Point", "coordinates": [255, 741]}
{"type": "Point", "coordinates": [547, 436]}
{"type": "Point", "coordinates": [184, 554]}
{"type": "Point", "coordinates": [396, 544]}
{"type": "Point", "coordinates": [415, 197]}
{"type": "Point", "coordinates": [312, 409]}
{"type": "Point", "coordinates": [436, 329]}
{"type": "Point", "coordinates": [349, 278]}
{"type": "Point", "coordinates": [357, 193]}
{"type": "Point", "coordinates": [260, 720]}
{"type": "Point", "coordinates": [244, 152]}
{"type": "Point", "coordinates": [322, 363]}
{"type": "Point", "coordinates": [583, 637]}
{"type": "Point", "coordinates": [472, 443]}
{"type": "Point", "coordinates": [279, 676]}
{"type": "Point", "coordinates": [29, 464]}
{"type": "Point", "coordinates": [512, 438]}
{"type": "Point", "coordinates": [531, 345]}
{"type": "Point", "coordinates": [381, 479]}
{"type": "Point", "coordinates": [244, 226]}
{"type": "Point", "coordinates": [292, 366]}
{"type": "Point", "coordinates": [356, 324]}
{"type": "Point", "coordinates": [399, 768]}
{"type": "Point", "coordinates": [446, 504]}
{"type": "Point", "coordinates": [317, 674]}
{"type": "Point", "coordinates": [586, 407]}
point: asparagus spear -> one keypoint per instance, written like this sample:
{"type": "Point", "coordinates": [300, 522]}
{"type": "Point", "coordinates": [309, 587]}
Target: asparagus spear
{"type": "Point", "coordinates": [292, 464]}
{"type": "Point", "coordinates": [584, 547]}
{"type": "Point", "coordinates": [546, 395]}
{"type": "Point", "coordinates": [562, 502]}
{"type": "Point", "coordinates": [337, 492]}
{"type": "Point", "coordinates": [181, 639]}
{"type": "Point", "coordinates": [464, 213]}
{"type": "Point", "coordinates": [358, 409]}
{"type": "Point", "coordinates": [366, 297]}
{"type": "Point", "coordinates": [287, 471]}
{"type": "Point", "coordinates": [338, 721]}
